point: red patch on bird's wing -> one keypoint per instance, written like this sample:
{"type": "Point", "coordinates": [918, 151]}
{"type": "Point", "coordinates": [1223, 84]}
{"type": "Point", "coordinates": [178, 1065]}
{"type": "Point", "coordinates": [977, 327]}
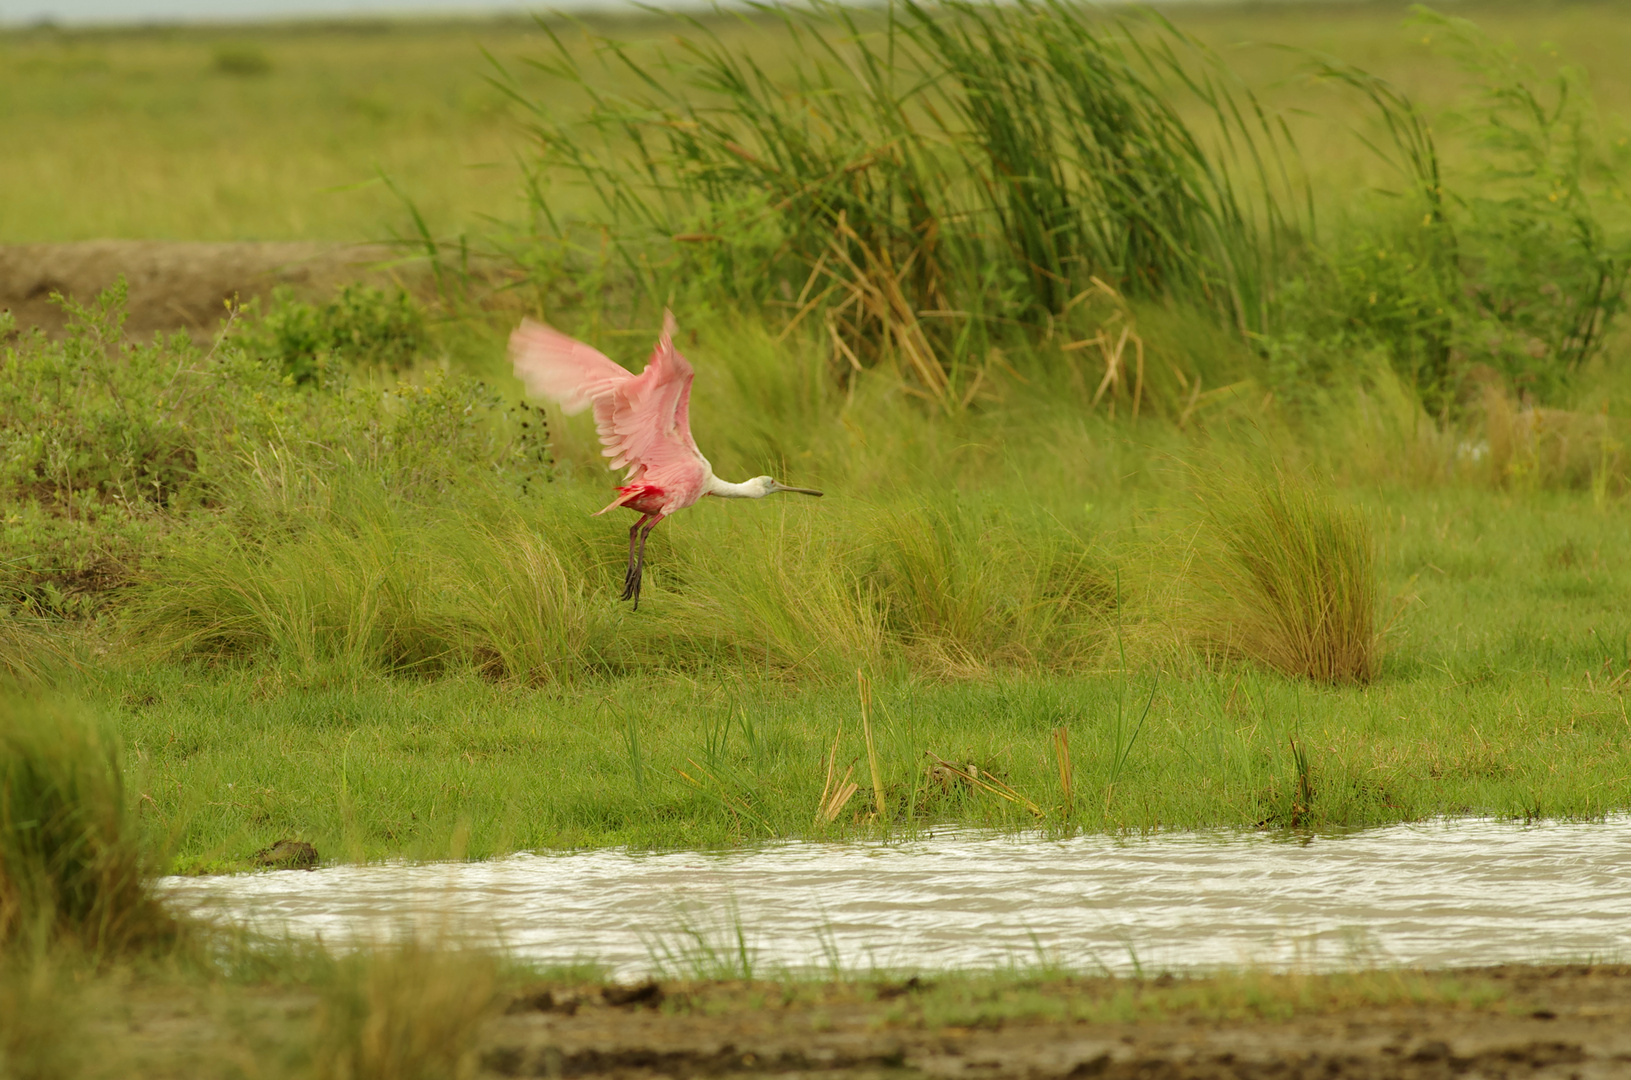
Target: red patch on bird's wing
{"type": "Point", "coordinates": [642, 498]}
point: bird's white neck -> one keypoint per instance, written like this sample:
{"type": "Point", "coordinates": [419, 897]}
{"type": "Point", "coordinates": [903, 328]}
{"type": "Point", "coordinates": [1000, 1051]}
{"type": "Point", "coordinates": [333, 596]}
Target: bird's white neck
{"type": "Point", "coordinates": [747, 489]}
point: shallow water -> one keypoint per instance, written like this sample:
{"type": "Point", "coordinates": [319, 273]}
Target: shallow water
{"type": "Point", "coordinates": [1434, 895]}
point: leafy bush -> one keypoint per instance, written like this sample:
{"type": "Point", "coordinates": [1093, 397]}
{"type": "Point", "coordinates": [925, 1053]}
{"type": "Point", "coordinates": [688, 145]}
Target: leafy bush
{"type": "Point", "coordinates": [108, 445]}
{"type": "Point", "coordinates": [94, 417]}
{"type": "Point", "coordinates": [1514, 267]}
{"type": "Point", "coordinates": [241, 61]}
{"type": "Point", "coordinates": [98, 436]}
{"type": "Point", "coordinates": [1546, 273]}
{"type": "Point", "coordinates": [362, 326]}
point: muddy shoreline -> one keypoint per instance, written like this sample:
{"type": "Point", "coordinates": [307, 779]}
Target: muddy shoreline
{"type": "Point", "coordinates": [1545, 1022]}
{"type": "Point", "coordinates": [1505, 1022]}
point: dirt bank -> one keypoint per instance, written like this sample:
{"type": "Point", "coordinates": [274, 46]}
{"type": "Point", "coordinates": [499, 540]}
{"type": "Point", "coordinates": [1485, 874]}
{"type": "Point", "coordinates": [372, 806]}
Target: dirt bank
{"type": "Point", "coordinates": [1510, 1022]}
{"type": "Point", "coordinates": [1558, 1022]}
{"type": "Point", "coordinates": [182, 286]}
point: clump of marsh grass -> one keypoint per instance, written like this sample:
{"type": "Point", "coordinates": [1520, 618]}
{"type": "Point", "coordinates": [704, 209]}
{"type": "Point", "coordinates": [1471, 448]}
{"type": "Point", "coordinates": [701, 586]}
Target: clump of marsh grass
{"type": "Point", "coordinates": [370, 582]}
{"type": "Point", "coordinates": [405, 1012]}
{"type": "Point", "coordinates": [29, 646]}
{"type": "Point", "coordinates": [949, 590]}
{"type": "Point", "coordinates": [965, 589]}
{"type": "Point", "coordinates": [71, 867]}
{"type": "Point", "coordinates": [1286, 577]}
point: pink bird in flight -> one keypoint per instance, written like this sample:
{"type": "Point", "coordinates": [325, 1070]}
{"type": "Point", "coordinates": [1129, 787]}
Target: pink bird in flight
{"type": "Point", "coordinates": [644, 424]}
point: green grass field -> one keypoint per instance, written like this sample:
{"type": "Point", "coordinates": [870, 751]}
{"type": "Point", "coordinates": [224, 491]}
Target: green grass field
{"type": "Point", "coordinates": [281, 132]}
{"type": "Point", "coordinates": [360, 602]}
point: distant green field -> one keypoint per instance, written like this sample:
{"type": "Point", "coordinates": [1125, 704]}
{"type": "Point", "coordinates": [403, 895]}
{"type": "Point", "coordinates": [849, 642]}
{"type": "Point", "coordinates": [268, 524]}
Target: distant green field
{"type": "Point", "coordinates": [281, 132]}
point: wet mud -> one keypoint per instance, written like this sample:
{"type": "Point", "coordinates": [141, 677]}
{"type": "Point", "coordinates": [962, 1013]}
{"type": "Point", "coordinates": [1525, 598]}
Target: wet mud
{"type": "Point", "coordinates": [1552, 1022]}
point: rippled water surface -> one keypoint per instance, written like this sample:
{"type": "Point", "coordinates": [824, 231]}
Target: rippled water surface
{"type": "Point", "coordinates": [1469, 892]}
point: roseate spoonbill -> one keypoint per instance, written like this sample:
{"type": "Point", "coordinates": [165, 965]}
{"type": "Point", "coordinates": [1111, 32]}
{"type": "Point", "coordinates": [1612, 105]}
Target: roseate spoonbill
{"type": "Point", "coordinates": [643, 421]}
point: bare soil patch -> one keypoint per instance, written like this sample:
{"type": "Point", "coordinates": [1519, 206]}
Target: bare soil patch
{"type": "Point", "coordinates": [184, 286]}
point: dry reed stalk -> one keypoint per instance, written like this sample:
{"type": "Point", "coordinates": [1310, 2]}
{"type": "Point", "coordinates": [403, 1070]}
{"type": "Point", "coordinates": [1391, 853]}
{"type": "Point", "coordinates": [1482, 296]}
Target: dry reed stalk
{"type": "Point", "coordinates": [1114, 354]}
{"type": "Point", "coordinates": [875, 292]}
{"type": "Point", "coordinates": [833, 800]}
{"type": "Point", "coordinates": [871, 747]}
{"type": "Point", "coordinates": [1061, 750]}
{"type": "Point", "coordinates": [990, 783]}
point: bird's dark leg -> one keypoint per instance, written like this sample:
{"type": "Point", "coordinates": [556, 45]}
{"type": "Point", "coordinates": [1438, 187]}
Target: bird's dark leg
{"type": "Point", "coordinates": [631, 590]}
{"type": "Point", "coordinates": [630, 581]}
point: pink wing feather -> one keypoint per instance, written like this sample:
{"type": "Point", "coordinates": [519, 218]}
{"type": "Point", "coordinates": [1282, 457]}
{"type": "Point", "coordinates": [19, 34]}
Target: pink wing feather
{"type": "Point", "coordinates": [566, 371]}
{"type": "Point", "coordinates": [643, 420]}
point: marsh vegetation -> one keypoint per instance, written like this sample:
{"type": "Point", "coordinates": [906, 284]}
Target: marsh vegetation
{"type": "Point", "coordinates": [1221, 436]}
{"type": "Point", "coordinates": [1214, 435]}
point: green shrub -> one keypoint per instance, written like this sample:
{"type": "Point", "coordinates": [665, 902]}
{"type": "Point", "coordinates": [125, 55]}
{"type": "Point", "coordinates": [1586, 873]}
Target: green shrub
{"type": "Point", "coordinates": [241, 61]}
{"type": "Point", "coordinates": [70, 860]}
{"type": "Point", "coordinates": [1521, 266]}
{"type": "Point", "coordinates": [1546, 270]}
{"type": "Point", "coordinates": [108, 445]}
{"type": "Point", "coordinates": [95, 417]}
{"type": "Point", "coordinates": [361, 326]}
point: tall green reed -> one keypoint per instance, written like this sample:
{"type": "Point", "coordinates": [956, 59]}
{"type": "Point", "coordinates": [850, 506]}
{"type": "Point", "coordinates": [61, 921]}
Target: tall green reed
{"type": "Point", "coordinates": [921, 181]}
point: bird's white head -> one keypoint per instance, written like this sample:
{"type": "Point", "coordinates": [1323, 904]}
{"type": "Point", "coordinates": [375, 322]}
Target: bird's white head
{"type": "Point", "coordinates": [765, 485]}
{"type": "Point", "coordinates": [757, 488]}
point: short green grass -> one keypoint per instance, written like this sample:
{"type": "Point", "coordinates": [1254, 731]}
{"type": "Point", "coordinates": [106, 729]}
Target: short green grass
{"type": "Point", "coordinates": [363, 604]}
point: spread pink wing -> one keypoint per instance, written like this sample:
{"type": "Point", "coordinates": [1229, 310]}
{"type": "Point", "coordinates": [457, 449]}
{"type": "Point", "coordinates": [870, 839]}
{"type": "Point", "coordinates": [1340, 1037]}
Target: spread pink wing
{"type": "Point", "coordinates": [645, 424]}
{"type": "Point", "coordinates": [566, 371]}
{"type": "Point", "coordinates": [643, 420]}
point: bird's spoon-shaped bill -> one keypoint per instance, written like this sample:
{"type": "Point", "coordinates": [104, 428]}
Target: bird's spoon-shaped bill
{"type": "Point", "coordinates": [777, 485]}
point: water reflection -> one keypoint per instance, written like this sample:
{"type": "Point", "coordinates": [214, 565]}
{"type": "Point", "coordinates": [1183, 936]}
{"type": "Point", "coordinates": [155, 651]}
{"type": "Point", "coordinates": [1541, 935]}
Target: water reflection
{"type": "Point", "coordinates": [1442, 894]}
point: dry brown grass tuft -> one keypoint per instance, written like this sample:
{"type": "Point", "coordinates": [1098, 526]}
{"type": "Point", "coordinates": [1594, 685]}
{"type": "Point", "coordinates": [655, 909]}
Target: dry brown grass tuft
{"type": "Point", "coordinates": [1527, 447]}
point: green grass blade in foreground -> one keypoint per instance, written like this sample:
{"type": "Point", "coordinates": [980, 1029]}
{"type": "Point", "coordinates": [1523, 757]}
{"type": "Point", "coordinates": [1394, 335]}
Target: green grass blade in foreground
{"type": "Point", "coordinates": [71, 865]}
